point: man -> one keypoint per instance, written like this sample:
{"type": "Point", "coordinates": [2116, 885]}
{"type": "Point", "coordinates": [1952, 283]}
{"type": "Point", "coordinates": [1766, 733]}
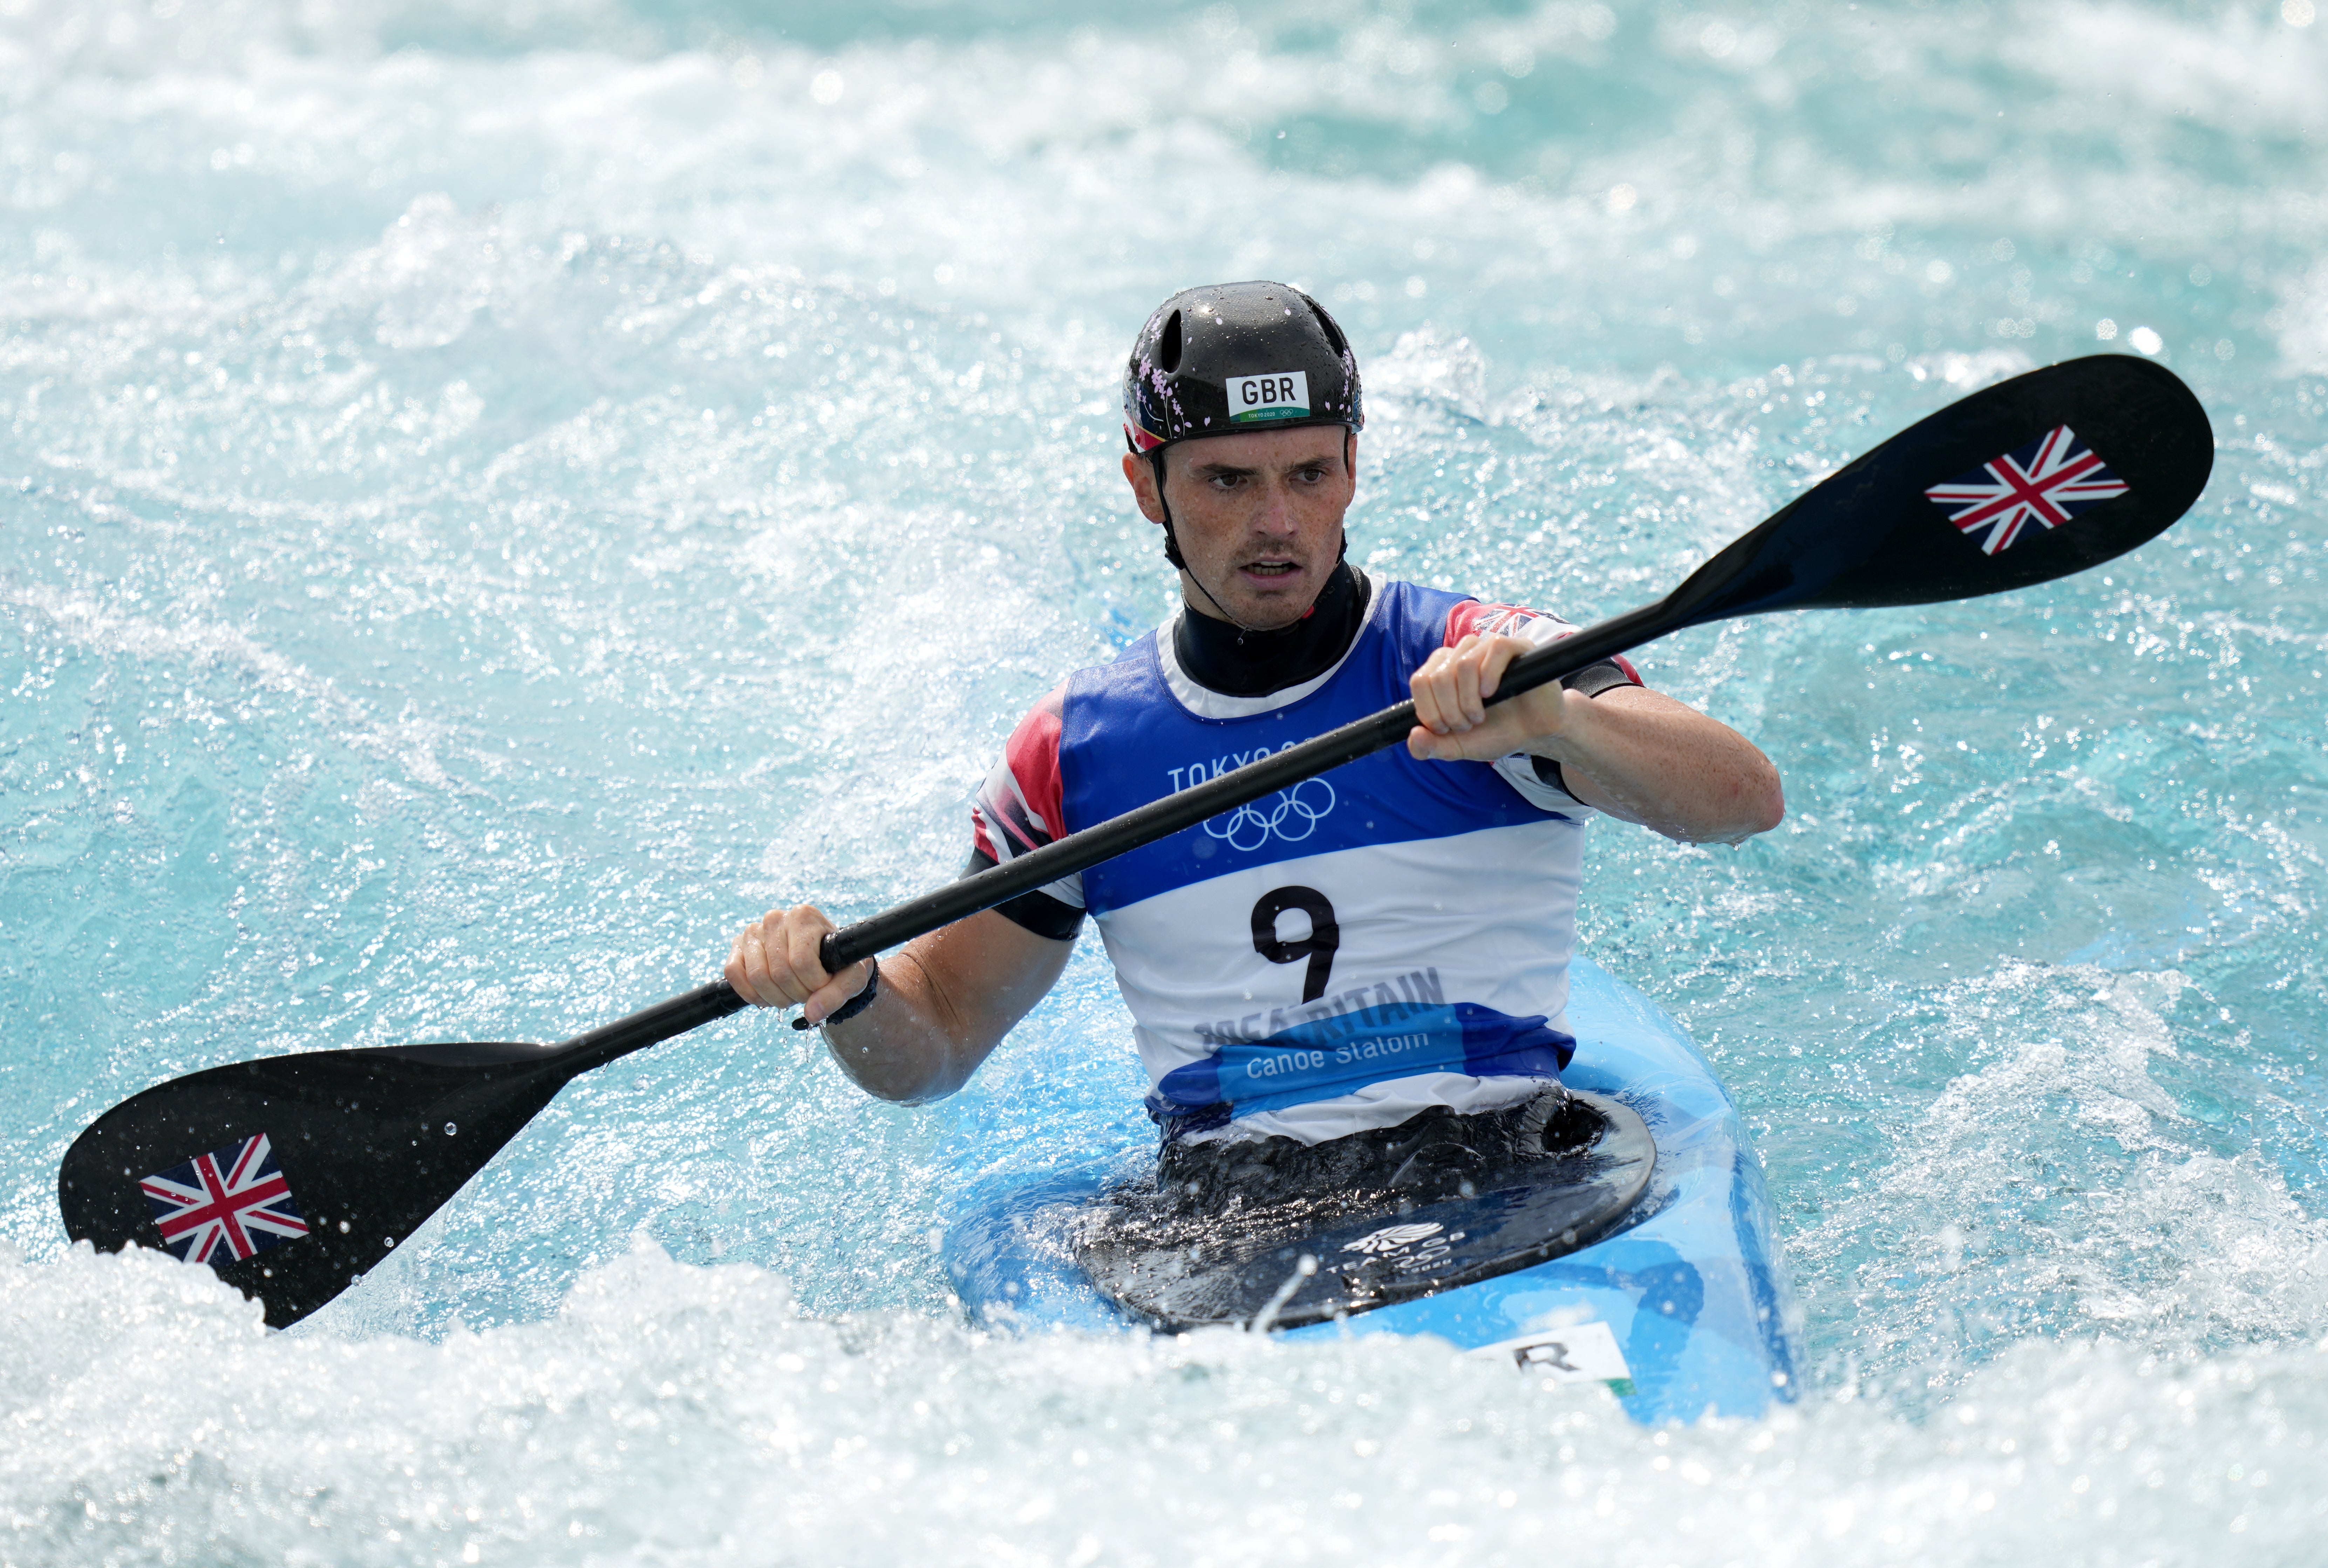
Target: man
{"type": "Point", "coordinates": [1382, 949]}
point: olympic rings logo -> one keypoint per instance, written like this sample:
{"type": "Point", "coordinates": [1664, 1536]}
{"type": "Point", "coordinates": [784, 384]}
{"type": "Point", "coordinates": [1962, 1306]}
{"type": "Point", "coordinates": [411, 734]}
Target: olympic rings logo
{"type": "Point", "coordinates": [1293, 816]}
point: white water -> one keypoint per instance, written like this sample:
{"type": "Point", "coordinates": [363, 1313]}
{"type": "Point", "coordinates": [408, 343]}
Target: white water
{"type": "Point", "coordinates": [497, 498]}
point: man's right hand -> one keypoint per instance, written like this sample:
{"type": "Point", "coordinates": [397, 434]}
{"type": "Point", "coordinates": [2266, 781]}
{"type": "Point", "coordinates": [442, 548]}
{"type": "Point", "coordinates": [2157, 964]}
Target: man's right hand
{"type": "Point", "coordinates": [774, 964]}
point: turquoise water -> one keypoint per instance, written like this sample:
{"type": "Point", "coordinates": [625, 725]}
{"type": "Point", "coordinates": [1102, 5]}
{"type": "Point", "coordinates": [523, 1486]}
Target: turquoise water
{"type": "Point", "coordinates": [497, 495]}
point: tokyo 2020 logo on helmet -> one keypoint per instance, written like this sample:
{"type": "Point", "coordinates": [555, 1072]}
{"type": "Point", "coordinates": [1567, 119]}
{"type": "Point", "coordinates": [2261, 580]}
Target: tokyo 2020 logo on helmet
{"type": "Point", "coordinates": [1233, 357]}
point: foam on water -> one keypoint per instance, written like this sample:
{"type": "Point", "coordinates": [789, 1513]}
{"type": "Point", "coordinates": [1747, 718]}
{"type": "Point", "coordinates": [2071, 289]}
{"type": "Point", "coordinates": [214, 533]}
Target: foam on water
{"type": "Point", "coordinates": [678, 1414]}
{"type": "Point", "coordinates": [497, 496]}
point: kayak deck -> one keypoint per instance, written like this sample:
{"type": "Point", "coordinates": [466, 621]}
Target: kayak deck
{"type": "Point", "coordinates": [1682, 1309]}
{"type": "Point", "coordinates": [1289, 1265]}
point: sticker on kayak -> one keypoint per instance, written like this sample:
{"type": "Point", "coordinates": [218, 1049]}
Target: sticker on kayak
{"type": "Point", "coordinates": [1279, 394]}
{"type": "Point", "coordinates": [1408, 1249]}
{"type": "Point", "coordinates": [1579, 1353]}
{"type": "Point", "coordinates": [225, 1206]}
{"type": "Point", "coordinates": [2047, 482]}
{"type": "Point", "coordinates": [1392, 1238]}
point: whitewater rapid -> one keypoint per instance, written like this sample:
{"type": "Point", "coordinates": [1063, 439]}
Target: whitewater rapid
{"type": "Point", "coordinates": [494, 497]}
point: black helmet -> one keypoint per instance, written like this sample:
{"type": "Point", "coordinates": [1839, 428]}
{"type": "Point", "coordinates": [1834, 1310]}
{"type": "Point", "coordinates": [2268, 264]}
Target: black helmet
{"type": "Point", "coordinates": [1233, 357]}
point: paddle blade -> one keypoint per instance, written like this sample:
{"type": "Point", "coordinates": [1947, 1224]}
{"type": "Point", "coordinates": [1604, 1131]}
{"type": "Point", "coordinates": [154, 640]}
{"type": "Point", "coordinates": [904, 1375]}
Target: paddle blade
{"type": "Point", "coordinates": [2030, 480]}
{"type": "Point", "coordinates": [294, 1176]}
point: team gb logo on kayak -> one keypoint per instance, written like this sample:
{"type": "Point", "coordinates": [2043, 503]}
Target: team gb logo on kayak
{"type": "Point", "coordinates": [1392, 1238]}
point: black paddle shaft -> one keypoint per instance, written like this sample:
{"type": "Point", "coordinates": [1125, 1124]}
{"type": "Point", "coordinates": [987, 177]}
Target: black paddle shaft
{"type": "Point", "coordinates": [365, 1144]}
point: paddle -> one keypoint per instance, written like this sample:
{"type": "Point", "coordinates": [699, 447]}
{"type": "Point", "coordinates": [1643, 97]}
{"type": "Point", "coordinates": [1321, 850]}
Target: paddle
{"type": "Point", "coordinates": [295, 1175]}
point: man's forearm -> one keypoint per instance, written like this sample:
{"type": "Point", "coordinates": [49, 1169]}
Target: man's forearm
{"type": "Point", "coordinates": [907, 1046]}
{"type": "Point", "coordinates": [1640, 755]}
{"type": "Point", "coordinates": [946, 1000]}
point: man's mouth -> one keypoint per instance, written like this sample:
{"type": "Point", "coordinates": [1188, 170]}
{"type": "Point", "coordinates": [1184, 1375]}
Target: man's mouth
{"type": "Point", "coordinates": [1273, 569]}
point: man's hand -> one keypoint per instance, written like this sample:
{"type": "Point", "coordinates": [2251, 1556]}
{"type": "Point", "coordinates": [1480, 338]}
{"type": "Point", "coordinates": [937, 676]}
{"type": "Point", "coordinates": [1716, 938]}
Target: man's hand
{"type": "Point", "coordinates": [1452, 720]}
{"type": "Point", "coordinates": [774, 964]}
{"type": "Point", "coordinates": [1630, 752]}
{"type": "Point", "coordinates": [947, 999]}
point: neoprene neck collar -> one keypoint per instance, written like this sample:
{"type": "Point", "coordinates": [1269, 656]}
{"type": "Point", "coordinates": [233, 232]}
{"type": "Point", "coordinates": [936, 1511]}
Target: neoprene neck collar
{"type": "Point", "coordinates": [1220, 657]}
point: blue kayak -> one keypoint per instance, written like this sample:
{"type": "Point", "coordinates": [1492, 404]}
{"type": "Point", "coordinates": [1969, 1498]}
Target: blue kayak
{"type": "Point", "coordinates": [1674, 1298]}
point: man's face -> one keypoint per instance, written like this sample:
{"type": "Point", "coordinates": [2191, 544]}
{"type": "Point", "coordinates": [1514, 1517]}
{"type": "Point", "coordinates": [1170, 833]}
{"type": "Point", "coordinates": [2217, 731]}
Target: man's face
{"type": "Point", "coordinates": [1259, 516]}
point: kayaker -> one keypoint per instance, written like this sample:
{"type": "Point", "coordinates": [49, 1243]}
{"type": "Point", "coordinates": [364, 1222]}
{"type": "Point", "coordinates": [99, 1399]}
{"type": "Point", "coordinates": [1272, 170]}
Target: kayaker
{"type": "Point", "coordinates": [1371, 963]}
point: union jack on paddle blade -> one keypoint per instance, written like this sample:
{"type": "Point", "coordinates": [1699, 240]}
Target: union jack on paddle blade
{"type": "Point", "coordinates": [232, 1201]}
{"type": "Point", "coordinates": [2049, 480]}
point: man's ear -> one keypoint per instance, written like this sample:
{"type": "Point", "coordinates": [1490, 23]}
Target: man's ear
{"type": "Point", "coordinates": [1141, 475]}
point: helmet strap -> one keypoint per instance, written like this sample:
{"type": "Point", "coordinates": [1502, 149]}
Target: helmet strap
{"type": "Point", "coordinates": [1172, 548]}
{"type": "Point", "coordinates": [1171, 542]}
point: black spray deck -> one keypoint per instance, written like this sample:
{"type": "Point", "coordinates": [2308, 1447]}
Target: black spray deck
{"type": "Point", "coordinates": [1289, 1265]}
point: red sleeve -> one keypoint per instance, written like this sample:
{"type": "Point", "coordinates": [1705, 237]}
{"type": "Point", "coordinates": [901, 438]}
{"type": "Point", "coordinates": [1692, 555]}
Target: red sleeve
{"type": "Point", "coordinates": [1017, 808]}
{"type": "Point", "coordinates": [1472, 616]}
{"type": "Point", "coordinates": [1538, 626]}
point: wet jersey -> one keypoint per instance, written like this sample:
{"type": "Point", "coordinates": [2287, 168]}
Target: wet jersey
{"type": "Point", "coordinates": [1389, 936]}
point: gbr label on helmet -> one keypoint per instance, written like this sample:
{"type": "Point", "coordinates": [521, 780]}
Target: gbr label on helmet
{"type": "Point", "coordinates": [1279, 394]}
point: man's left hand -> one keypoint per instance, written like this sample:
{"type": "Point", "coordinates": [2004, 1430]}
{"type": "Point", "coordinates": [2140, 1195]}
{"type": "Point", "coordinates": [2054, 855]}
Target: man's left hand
{"type": "Point", "coordinates": [1630, 752]}
{"type": "Point", "coordinates": [1453, 722]}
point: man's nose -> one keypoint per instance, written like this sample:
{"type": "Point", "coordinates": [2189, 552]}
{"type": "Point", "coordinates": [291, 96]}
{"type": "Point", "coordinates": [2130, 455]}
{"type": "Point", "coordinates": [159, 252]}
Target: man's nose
{"type": "Point", "coordinates": [1277, 515]}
